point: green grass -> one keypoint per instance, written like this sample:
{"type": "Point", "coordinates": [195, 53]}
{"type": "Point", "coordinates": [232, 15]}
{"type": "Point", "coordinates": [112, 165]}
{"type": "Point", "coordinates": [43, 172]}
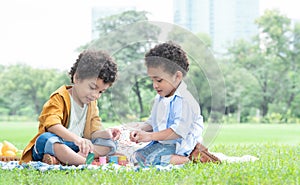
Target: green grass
{"type": "Point", "coordinates": [277, 146]}
{"type": "Point", "coordinates": [18, 133]}
{"type": "Point", "coordinates": [258, 133]}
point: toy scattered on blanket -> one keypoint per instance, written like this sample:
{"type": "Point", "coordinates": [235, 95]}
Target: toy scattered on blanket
{"type": "Point", "coordinates": [7, 149]}
{"type": "Point", "coordinates": [121, 160]}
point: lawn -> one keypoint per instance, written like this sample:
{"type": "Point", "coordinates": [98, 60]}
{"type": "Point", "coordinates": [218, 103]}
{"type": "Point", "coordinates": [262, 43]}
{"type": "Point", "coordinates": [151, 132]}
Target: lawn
{"type": "Point", "coordinates": [258, 133]}
{"type": "Point", "coordinates": [277, 146]}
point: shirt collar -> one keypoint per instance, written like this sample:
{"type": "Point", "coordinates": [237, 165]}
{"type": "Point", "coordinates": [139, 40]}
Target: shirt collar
{"type": "Point", "coordinates": [178, 93]}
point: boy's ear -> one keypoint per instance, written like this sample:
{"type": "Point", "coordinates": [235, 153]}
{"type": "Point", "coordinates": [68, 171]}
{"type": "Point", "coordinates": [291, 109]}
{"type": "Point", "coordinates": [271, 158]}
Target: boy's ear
{"type": "Point", "coordinates": [179, 75]}
{"type": "Point", "coordinates": [75, 78]}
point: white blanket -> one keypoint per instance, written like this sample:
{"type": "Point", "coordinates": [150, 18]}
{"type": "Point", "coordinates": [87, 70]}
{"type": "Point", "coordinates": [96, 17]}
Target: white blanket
{"type": "Point", "coordinates": [127, 148]}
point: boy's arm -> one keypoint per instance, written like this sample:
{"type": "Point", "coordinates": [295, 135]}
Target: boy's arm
{"type": "Point", "coordinates": [146, 127]}
{"type": "Point", "coordinates": [142, 136]}
{"type": "Point", "coordinates": [85, 145]}
{"type": "Point", "coordinates": [139, 126]}
{"type": "Point", "coordinates": [63, 132]}
{"type": "Point", "coordinates": [167, 134]}
{"type": "Point", "coordinates": [110, 133]}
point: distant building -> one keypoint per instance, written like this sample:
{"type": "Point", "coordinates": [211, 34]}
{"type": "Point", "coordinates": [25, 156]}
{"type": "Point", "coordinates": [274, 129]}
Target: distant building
{"type": "Point", "coordinates": [192, 15]}
{"type": "Point", "coordinates": [224, 20]}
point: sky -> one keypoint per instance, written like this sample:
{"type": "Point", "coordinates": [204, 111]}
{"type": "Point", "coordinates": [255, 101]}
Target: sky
{"type": "Point", "coordinates": [32, 34]}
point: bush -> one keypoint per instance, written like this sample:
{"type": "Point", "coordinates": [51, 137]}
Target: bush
{"type": "Point", "coordinates": [4, 111]}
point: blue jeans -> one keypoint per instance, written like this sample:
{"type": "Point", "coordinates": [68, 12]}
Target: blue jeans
{"type": "Point", "coordinates": [155, 154]}
{"type": "Point", "coordinates": [44, 145]}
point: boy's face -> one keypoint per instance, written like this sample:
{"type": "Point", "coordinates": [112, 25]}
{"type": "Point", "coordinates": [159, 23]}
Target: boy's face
{"type": "Point", "coordinates": [87, 90]}
{"type": "Point", "coordinates": [164, 83]}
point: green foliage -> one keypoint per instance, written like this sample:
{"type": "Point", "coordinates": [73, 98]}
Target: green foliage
{"type": "Point", "coordinates": [272, 59]}
{"type": "Point", "coordinates": [4, 111]}
{"type": "Point", "coordinates": [204, 78]}
{"type": "Point", "coordinates": [127, 36]}
{"type": "Point", "coordinates": [273, 118]}
{"type": "Point", "coordinates": [24, 89]}
{"type": "Point", "coordinates": [256, 81]}
{"type": "Point", "coordinates": [279, 118]}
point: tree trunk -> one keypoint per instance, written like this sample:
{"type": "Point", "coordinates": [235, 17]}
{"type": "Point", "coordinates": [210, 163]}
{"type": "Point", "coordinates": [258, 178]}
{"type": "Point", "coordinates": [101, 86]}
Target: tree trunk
{"type": "Point", "coordinates": [291, 98]}
{"type": "Point", "coordinates": [138, 93]}
{"type": "Point", "coordinates": [239, 113]}
{"type": "Point", "coordinates": [264, 107]}
{"type": "Point", "coordinates": [265, 102]}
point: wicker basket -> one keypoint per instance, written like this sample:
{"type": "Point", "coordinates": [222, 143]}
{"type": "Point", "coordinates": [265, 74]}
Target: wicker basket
{"type": "Point", "coordinates": [7, 159]}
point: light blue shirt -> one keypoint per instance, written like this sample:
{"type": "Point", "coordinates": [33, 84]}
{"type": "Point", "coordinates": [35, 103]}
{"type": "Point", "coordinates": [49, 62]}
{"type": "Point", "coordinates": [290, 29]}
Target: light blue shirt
{"type": "Point", "coordinates": [181, 113]}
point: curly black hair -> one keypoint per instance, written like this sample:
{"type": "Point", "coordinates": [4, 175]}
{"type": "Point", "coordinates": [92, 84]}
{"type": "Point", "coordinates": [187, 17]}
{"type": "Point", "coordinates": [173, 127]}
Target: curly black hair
{"type": "Point", "coordinates": [168, 55]}
{"type": "Point", "coordinates": [92, 63]}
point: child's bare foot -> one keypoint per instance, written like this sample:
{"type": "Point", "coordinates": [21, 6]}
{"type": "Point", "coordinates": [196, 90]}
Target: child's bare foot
{"type": "Point", "coordinates": [49, 159]}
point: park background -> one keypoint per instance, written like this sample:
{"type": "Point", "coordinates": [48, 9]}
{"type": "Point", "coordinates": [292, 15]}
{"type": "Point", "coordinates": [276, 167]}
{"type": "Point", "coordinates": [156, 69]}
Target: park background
{"type": "Point", "coordinates": [251, 92]}
{"type": "Point", "coordinates": [257, 76]}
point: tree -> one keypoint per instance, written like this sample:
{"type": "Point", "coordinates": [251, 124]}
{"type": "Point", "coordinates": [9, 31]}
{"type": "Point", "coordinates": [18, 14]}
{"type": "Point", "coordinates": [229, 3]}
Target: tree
{"type": "Point", "coordinates": [281, 45]}
{"type": "Point", "coordinates": [272, 58]}
{"type": "Point", "coordinates": [292, 97]}
{"type": "Point", "coordinates": [241, 91]}
{"type": "Point", "coordinates": [127, 36]}
{"type": "Point", "coordinates": [205, 80]}
{"type": "Point", "coordinates": [26, 89]}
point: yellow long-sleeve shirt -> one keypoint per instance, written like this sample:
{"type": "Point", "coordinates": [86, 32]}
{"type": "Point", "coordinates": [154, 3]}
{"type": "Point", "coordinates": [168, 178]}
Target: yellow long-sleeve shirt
{"type": "Point", "coordinates": [57, 111]}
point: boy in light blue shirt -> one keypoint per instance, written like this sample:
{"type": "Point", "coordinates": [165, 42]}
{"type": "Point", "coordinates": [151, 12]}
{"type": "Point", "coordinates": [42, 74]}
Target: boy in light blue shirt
{"type": "Point", "coordinates": [175, 125]}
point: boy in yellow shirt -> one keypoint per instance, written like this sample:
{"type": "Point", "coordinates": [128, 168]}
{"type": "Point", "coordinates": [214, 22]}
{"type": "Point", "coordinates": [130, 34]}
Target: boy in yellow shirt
{"type": "Point", "coordinates": [69, 124]}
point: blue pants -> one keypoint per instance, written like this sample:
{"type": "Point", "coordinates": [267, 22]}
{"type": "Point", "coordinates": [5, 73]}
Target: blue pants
{"type": "Point", "coordinates": [44, 145]}
{"type": "Point", "coordinates": [155, 154]}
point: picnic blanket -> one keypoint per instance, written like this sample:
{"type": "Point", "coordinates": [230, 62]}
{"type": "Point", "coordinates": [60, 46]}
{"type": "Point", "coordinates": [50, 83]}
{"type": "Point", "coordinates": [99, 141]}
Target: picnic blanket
{"type": "Point", "coordinates": [125, 147]}
{"type": "Point", "coordinates": [40, 166]}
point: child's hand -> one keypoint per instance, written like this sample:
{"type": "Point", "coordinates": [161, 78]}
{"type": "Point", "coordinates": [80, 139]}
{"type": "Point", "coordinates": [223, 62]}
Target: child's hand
{"type": "Point", "coordinates": [140, 136]}
{"type": "Point", "coordinates": [133, 135]}
{"type": "Point", "coordinates": [115, 133]}
{"type": "Point", "coordinates": [85, 146]}
{"type": "Point", "coordinates": [111, 133]}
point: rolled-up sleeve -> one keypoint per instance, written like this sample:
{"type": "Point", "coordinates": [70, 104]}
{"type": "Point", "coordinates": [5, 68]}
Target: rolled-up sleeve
{"type": "Point", "coordinates": [183, 118]}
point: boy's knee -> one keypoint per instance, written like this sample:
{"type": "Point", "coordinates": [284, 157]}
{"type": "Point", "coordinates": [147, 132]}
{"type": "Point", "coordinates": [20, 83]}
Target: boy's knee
{"type": "Point", "coordinates": [104, 146]}
{"type": "Point", "coordinates": [43, 138]}
{"type": "Point", "coordinates": [44, 144]}
{"type": "Point", "coordinates": [102, 150]}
